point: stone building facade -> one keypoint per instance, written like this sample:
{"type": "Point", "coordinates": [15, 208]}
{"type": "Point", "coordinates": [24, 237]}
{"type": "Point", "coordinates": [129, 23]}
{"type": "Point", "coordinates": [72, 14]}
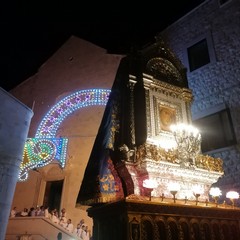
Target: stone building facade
{"type": "Point", "coordinates": [206, 40]}
{"type": "Point", "coordinates": [77, 66]}
{"type": "Point", "coordinates": [213, 27]}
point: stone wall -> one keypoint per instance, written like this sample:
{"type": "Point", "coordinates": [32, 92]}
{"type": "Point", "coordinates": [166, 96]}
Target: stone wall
{"type": "Point", "coordinates": [77, 65]}
{"type": "Point", "coordinates": [217, 83]}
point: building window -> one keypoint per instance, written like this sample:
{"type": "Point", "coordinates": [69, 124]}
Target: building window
{"type": "Point", "coordinates": [216, 130]}
{"type": "Point", "coordinates": [198, 55]}
{"type": "Point", "coordinates": [53, 194]}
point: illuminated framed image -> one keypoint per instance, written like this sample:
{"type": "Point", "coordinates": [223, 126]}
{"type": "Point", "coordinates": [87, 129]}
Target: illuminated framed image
{"type": "Point", "coordinates": [167, 117]}
{"type": "Point", "coordinates": [163, 114]}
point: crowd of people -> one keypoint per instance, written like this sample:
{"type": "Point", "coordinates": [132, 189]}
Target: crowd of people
{"type": "Point", "coordinates": [81, 230]}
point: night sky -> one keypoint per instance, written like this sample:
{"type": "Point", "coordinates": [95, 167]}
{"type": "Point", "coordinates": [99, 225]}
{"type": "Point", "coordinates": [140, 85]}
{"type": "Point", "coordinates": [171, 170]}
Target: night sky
{"type": "Point", "coordinates": [32, 31]}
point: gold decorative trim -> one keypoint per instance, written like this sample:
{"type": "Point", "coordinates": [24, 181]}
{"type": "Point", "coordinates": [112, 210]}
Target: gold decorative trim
{"type": "Point", "coordinates": [163, 68]}
{"type": "Point", "coordinates": [156, 154]}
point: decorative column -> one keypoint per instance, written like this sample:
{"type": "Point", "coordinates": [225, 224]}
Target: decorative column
{"type": "Point", "coordinates": [147, 81]}
{"type": "Point", "coordinates": [131, 84]}
{"type": "Point", "coordinates": [15, 119]}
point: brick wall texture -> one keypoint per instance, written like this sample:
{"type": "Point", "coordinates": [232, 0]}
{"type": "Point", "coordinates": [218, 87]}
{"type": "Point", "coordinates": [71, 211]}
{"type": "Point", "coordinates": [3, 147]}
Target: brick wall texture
{"type": "Point", "coordinates": [217, 83]}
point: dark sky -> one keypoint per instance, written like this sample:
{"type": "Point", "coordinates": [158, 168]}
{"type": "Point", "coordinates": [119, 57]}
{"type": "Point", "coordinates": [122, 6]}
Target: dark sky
{"type": "Point", "coordinates": [32, 31]}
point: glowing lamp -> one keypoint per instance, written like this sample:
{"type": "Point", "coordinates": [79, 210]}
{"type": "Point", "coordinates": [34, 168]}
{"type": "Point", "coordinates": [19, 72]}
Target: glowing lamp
{"type": "Point", "coordinates": [197, 191]}
{"type": "Point", "coordinates": [215, 192]}
{"type": "Point", "coordinates": [174, 188]}
{"type": "Point", "coordinates": [232, 195]}
{"type": "Point", "coordinates": [150, 184]}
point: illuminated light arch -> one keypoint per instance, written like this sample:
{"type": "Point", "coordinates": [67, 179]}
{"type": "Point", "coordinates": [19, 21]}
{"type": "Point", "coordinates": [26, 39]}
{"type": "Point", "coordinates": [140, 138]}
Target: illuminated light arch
{"type": "Point", "coordinates": [45, 147]}
{"type": "Point", "coordinates": [51, 122]}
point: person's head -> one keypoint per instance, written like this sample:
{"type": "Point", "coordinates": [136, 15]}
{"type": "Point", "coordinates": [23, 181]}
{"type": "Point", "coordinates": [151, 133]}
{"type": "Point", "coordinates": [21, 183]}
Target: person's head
{"type": "Point", "coordinates": [81, 221]}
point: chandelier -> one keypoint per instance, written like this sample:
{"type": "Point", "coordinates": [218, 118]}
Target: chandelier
{"type": "Point", "coordinates": [188, 141]}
